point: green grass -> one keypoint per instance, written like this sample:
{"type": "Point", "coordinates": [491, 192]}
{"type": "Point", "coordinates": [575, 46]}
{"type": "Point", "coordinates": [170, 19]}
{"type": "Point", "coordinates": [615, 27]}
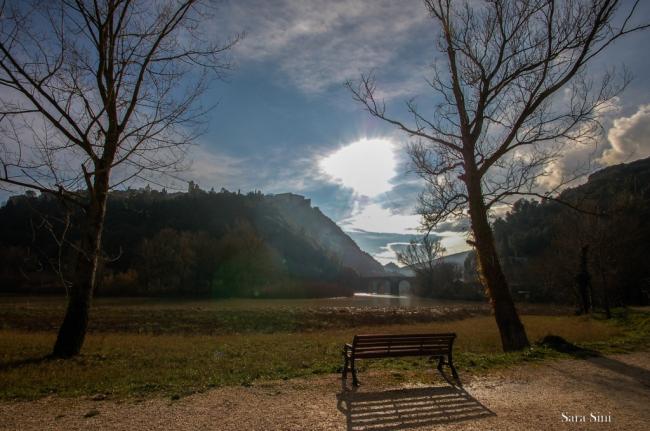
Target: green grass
{"type": "Point", "coordinates": [128, 364]}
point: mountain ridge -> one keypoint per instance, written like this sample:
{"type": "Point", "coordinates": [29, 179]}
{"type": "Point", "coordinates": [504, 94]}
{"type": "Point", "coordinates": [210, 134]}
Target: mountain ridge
{"type": "Point", "coordinates": [298, 211]}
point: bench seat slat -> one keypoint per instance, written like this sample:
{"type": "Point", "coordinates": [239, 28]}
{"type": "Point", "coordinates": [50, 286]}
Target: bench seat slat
{"type": "Point", "coordinates": [398, 344]}
{"type": "Point", "coordinates": [410, 339]}
{"type": "Point", "coordinates": [385, 351]}
{"type": "Point", "coordinates": [442, 334]}
{"type": "Point", "coordinates": [391, 354]}
{"type": "Point", "coordinates": [379, 337]}
{"type": "Point", "coordinates": [402, 342]}
{"type": "Point", "coordinates": [397, 348]}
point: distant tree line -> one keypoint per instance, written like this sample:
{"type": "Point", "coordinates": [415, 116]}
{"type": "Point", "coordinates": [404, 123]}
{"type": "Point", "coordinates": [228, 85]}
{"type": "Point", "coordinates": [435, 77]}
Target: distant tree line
{"type": "Point", "coordinates": [197, 243]}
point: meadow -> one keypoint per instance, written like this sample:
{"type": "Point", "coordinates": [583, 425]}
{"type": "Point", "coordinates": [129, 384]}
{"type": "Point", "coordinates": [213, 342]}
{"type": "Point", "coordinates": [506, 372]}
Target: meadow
{"type": "Point", "coordinates": [144, 347]}
{"type": "Point", "coordinates": [225, 316]}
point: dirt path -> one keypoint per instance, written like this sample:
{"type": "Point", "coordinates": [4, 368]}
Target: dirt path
{"type": "Point", "coordinates": [528, 397]}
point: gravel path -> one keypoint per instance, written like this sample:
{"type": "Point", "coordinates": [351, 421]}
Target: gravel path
{"type": "Point", "coordinates": [615, 389]}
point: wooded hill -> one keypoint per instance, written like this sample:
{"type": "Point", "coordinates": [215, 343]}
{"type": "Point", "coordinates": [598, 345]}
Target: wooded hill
{"type": "Point", "coordinates": [550, 249]}
{"type": "Point", "coordinates": [195, 243]}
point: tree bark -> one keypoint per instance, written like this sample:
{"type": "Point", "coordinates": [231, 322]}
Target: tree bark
{"type": "Point", "coordinates": [513, 334]}
{"type": "Point", "coordinates": [75, 323]}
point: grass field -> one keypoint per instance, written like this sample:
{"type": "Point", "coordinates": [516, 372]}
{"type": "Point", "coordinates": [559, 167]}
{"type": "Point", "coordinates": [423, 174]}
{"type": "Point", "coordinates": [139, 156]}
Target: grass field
{"type": "Point", "coordinates": [180, 359]}
{"type": "Point", "coordinates": [213, 317]}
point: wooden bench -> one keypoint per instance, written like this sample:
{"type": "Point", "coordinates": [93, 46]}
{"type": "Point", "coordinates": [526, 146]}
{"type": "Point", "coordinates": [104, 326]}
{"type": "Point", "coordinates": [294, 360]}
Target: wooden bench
{"type": "Point", "coordinates": [436, 346]}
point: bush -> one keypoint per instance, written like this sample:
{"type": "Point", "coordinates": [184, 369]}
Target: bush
{"type": "Point", "coordinates": [120, 284]}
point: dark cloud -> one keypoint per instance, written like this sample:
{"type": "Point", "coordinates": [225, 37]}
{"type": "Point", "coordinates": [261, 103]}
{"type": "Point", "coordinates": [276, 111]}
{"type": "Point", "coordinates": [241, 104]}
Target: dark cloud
{"type": "Point", "coordinates": [376, 242]}
{"type": "Point", "coordinates": [402, 198]}
{"type": "Point", "coordinates": [317, 45]}
{"type": "Point", "coordinates": [460, 225]}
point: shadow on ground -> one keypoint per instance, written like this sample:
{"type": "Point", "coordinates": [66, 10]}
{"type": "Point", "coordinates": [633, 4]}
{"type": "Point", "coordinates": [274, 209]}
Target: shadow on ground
{"type": "Point", "coordinates": [10, 365]}
{"type": "Point", "coordinates": [641, 375]}
{"type": "Point", "coordinates": [400, 409]}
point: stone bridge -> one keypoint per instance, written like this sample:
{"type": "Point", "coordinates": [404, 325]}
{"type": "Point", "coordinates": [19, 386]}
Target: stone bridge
{"type": "Point", "coordinates": [393, 284]}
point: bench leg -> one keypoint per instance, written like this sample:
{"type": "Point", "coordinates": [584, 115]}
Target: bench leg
{"type": "Point", "coordinates": [440, 363]}
{"type": "Point", "coordinates": [451, 365]}
{"type": "Point", "coordinates": [453, 371]}
{"type": "Point", "coordinates": [355, 381]}
{"type": "Point", "coordinates": [345, 366]}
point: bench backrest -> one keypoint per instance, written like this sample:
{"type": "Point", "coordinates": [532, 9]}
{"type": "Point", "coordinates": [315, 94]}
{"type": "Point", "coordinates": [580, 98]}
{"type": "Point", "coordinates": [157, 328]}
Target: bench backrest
{"type": "Point", "coordinates": [384, 345]}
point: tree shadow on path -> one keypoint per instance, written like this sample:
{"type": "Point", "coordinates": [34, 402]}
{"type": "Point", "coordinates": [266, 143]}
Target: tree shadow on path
{"type": "Point", "coordinates": [639, 374]}
{"type": "Point", "coordinates": [400, 409]}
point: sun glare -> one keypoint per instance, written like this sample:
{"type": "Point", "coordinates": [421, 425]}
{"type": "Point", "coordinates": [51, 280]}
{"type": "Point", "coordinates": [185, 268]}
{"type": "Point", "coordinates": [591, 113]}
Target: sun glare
{"type": "Point", "coordinates": [366, 166]}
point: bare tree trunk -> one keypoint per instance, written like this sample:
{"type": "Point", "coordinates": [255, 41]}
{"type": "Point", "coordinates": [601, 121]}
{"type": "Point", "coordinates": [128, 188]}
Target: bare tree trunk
{"type": "Point", "coordinates": [513, 334]}
{"type": "Point", "coordinates": [75, 323]}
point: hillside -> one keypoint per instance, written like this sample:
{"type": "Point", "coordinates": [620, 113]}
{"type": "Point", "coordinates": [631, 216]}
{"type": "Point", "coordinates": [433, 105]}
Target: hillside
{"type": "Point", "coordinates": [602, 234]}
{"type": "Point", "coordinates": [155, 242]}
{"type": "Point", "coordinates": [311, 222]}
{"type": "Point", "coordinates": [604, 185]}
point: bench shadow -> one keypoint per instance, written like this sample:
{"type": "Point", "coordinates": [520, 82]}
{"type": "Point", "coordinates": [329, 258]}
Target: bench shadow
{"type": "Point", "coordinates": [400, 409]}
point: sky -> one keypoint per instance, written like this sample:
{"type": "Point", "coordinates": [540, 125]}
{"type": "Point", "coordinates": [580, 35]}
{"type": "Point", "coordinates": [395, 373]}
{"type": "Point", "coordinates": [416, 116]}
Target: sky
{"type": "Point", "coordinates": [284, 121]}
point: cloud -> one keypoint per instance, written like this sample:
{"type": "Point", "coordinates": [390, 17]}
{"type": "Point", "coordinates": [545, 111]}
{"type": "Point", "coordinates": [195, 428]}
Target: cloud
{"type": "Point", "coordinates": [453, 242]}
{"type": "Point", "coordinates": [576, 161]}
{"type": "Point", "coordinates": [32, 151]}
{"type": "Point", "coordinates": [385, 246]}
{"type": "Point", "coordinates": [320, 44]}
{"type": "Point", "coordinates": [402, 198]}
{"type": "Point", "coordinates": [271, 172]}
{"type": "Point", "coordinates": [388, 253]}
{"type": "Point", "coordinates": [629, 138]}
{"type": "Point", "coordinates": [626, 140]}
{"type": "Point", "coordinates": [375, 241]}
{"type": "Point", "coordinates": [211, 169]}
{"type": "Point", "coordinates": [373, 217]}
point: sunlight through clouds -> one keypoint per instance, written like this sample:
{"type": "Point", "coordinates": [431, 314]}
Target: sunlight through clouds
{"type": "Point", "coordinates": [375, 218]}
{"type": "Point", "coordinates": [366, 166]}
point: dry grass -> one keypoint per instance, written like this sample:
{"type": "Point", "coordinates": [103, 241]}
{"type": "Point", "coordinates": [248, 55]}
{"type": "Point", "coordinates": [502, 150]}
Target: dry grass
{"type": "Point", "coordinates": [213, 317]}
{"type": "Point", "coordinates": [126, 364]}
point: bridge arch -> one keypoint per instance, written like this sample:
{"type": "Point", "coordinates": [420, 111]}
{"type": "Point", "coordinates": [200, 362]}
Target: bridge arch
{"type": "Point", "coordinates": [393, 284]}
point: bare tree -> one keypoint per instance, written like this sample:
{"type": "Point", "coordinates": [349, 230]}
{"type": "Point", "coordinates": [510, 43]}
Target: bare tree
{"type": "Point", "coordinates": [513, 92]}
{"type": "Point", "coordinates": [422, 258]}
{"type": "Point", "coordinates": [94, 95]}
{"type": "Point", "coordinates": [421, 255]}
